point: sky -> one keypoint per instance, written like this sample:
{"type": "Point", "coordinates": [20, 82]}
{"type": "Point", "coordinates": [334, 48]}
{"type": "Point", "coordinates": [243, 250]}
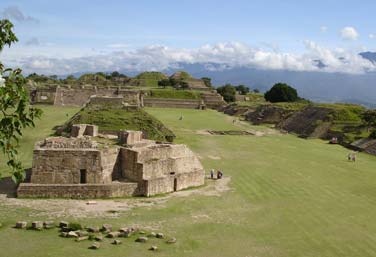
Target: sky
{"type": "Point", "coordinates": [62, 37]}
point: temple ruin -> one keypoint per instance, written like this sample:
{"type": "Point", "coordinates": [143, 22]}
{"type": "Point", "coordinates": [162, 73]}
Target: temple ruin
{"type": "Point", "coordinates": [90, 165]}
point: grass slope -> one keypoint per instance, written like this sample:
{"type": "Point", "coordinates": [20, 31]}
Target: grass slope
{"type": "Point", "coordinates": [115, 119]}
{"type": "Point", "coordinates": [290, 197]}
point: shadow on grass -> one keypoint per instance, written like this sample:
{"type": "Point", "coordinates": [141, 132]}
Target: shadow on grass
{"type": "Point", "coordinates": [9, 188]}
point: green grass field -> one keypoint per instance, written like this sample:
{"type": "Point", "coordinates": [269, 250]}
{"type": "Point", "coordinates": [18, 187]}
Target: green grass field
{"type": "Point", "coordinates": [289, 197]}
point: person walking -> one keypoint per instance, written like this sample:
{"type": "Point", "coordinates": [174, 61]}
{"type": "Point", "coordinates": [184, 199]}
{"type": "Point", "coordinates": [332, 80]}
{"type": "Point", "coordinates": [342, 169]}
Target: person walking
{"type": "Point", "coordinates": [212, 173]}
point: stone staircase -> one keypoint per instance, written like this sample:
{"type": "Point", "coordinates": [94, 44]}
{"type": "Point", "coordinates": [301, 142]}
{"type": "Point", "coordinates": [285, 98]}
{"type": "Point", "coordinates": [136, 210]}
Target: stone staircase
{"type": "Point", "coordinates": [366, 145]}
{"type": "Point", "coordinates": [213, 100]}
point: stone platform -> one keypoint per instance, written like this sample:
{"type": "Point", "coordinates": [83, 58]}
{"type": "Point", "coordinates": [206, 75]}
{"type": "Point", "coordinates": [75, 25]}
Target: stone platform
{"type": "Point", "coordinates": [84, 191]}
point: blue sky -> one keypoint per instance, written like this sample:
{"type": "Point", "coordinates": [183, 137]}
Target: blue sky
{"type": "Point", "coordinates": [68, 30]}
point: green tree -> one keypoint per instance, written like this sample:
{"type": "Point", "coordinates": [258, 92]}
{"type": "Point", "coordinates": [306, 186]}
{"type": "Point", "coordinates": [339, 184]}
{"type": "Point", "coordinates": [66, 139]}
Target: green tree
{"type": "Point", "coordinates": [174, 82]}
{"type": "Point", "coordinates": [256, 90]}
{"type": "Point", "coordinates": [183, 85]}
{"type": "Point", "coordinates": [369, 118]}
{"type": "Point", "coordinates": [115, 74]}
{"type": "Point", "coordinates": [164, 83]}
{"type": "Point", "coordinates": [228, 92]}
{"type": "Point", "coordinates": [16, 113]}
{"type": "Point", "coordinates": [54, 77]}
{"type": "Point", "coordinates": [243, 90]}
{"type": "Point", "coordinates": [373, 134]}
{"type": "Point", "coordinates": [281, 92]}
{"type": "Point", "coordinates": [70, 77]}
{"type": "Point", "coordinates": [207, 81]}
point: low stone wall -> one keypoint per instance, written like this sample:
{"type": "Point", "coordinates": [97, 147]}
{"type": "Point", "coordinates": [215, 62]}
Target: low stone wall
{"type": "Point", "coordinates": [43, 96]}
{"type": "Point", "coordinates": [174, 183]}
{"type": "Point", "coordinates": [172, 103]}
{"type": "Point", "coordinates": [107, 100]}
{"type": "Point", "coordinates": [80, 96]}
{"type": "Point", "coordinates": [116, 189]}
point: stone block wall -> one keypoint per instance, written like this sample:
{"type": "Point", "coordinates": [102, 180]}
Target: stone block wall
{"type": "Point", "coordinates": [114, 101]}
{"type": "Point", "coordinates": [85, 191]}
{"type": "Point", "coordinates": [131, 97]}
{"type": "Point", "coordinates": [162, 168]}
{"type": "Point", "coordinates": [73, 97]}
{"type": "Point", "coordinates": [60, 143]}
{"type": "Point", "coordinates": [110, 164]}
{"type": "Point", "coordinates": [43, 96]}
{"type": "Point", "coordinates": [130, 168]}
{"type": "Point", "coordinates": [56, 166]}
{"type": "Point", "coordinates": [80, 130]}
{"type": "Point", "coordinates": [80, 96]}
{"type": "Point", "coordinates": [174, 183]}
{"type": "Point", "coordinates": [130, 137]}
{"type": "Point", "coordinates": [172, 103]}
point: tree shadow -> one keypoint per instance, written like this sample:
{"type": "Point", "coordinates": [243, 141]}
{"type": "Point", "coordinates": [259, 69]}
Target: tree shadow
{"type": "Point", "coordinates": [9, 188]}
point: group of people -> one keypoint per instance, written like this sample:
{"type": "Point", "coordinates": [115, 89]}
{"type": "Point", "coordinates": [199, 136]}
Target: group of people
{"type": "Point", "coordinates": [351, 156]}
{"type": "Point", "coordinates": [219, 174]}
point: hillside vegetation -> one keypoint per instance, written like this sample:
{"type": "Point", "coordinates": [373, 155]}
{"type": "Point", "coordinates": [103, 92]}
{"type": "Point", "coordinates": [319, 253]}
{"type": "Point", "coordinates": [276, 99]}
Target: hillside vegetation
{"type": "Point", "coordinates": [344, 121]}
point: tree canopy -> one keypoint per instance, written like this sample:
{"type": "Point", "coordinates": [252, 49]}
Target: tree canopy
{"type": "Point", "coordinates": [207, 81]}
{"type": "Point", "coordinates": [228, 92]}
{"type": "Point", "coordinates": [243, 90]}
{"type": "Point", "coordinates": [15, 112]}
{"type": "Point", "coordinates": [281, 92]}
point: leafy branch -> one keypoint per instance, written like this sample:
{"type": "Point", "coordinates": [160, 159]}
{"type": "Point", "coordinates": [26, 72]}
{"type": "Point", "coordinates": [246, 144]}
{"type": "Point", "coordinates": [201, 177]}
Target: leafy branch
{"type": "Point", "coordinates": [15, 110]}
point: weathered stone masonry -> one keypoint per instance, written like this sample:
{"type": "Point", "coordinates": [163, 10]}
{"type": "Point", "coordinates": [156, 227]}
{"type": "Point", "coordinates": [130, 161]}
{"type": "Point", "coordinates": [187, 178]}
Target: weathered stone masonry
{"type": "Point", "coordinates": [80, 167]}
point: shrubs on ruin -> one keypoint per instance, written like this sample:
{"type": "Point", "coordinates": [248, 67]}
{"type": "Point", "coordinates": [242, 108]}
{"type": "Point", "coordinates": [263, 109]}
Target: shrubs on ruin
{"type": "Point", "coordinates": [228, 92]}
{"type": "Point", "coordinates": [281, 92]}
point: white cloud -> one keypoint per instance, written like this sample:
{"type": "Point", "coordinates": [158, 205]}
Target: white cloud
{"type": "Point", "coordinates": [323, 29]}
{"type": "Point", "coordinates": [13, 13]}
{"type": "Point", "coordinates": [158, 58]}
{"type": "Point", "coordinates": [372, 36]}
{"type": "Point", "coordinates": [349, 33]}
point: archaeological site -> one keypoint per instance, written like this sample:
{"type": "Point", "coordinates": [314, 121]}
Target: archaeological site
{"type": "Point", "coordinates": [92, 165]}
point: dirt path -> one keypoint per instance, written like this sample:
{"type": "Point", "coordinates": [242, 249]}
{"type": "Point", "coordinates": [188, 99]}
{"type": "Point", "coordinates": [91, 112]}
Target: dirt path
{"type": "Point", "coordinates": [59, 208]}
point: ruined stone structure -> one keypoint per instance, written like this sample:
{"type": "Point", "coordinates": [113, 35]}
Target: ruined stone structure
{"type": "Point", "coordinates": [86, 166]}
{"type": "Point", "coordinates": [67, 96]}
{"type": "Point", "coordinates": [174, 103]}
{"type": "Point", "coordinates": [193, 83]}
{"type": "Point", "coordinates": [367, 145]}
